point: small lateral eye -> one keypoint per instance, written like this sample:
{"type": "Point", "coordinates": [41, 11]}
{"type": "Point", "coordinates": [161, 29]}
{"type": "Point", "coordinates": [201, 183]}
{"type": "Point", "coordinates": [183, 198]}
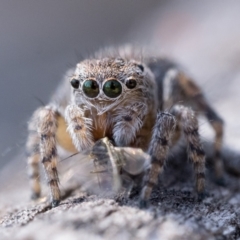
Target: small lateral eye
{"type": "Point", "coordinates": [131, 83]}
{"type": "Point", "coordinates": [75, 83]}
{"type": "Point", "coordinates": [141, 67]}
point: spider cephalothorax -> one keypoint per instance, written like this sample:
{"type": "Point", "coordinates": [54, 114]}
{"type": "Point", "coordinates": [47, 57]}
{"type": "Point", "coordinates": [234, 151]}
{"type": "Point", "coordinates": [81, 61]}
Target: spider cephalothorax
{"type": "Point", "coordinates": [122, 97]}
{"type": "Point", "coordinates": [115, 95]}
{"type": "Point", "coordinates": [103, 84]}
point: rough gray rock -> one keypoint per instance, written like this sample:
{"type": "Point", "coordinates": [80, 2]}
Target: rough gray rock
{"type": "Point", "coordinates": [174, 212]}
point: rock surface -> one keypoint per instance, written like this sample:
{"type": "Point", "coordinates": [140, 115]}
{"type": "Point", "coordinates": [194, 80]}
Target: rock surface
{"type": "Point", "coordinates": [174, 212]}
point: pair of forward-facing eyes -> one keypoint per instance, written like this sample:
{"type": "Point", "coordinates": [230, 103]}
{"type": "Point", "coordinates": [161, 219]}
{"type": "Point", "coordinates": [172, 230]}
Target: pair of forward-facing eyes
{"type": "Point", "coordinates": [112, 88]}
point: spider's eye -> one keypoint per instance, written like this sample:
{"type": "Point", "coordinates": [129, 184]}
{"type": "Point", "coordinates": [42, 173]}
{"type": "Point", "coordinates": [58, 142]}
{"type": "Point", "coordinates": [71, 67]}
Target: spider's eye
{"type": "Point", "coordinates": [141, 67]}
{"type": "Point", "coordinates": [91, 88]}
{"type": "Point", "coordinates": [112, 88]}
{"type": "Point", "coordinates": [131, 83]}
{"type": "Point", "coordinates": [75, 83]}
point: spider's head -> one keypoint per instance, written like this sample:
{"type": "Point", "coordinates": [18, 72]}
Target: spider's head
{"type": "Point", "coordinates": [109, 82]}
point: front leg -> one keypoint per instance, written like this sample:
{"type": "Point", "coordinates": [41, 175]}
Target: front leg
{"type": "Point", "coordinates": [46, 129]}
{"type": "Point", "coordinates": [127, 122]}
{"type": "Point", "coordinates": [158, 150]}
{"type": "Point", "coordinates": [79, 127]}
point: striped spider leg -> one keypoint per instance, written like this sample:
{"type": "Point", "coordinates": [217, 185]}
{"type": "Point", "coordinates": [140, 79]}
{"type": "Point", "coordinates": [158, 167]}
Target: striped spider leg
{"type": "Point", "coordinates": [165, 134]}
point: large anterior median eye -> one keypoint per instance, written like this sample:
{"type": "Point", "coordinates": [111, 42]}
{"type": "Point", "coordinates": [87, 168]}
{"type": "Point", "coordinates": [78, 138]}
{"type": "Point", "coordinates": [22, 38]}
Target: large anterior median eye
{"type": "Point", "coordinates": [112, 88]}
{"type": "Point", "coordinates": [90, 88]}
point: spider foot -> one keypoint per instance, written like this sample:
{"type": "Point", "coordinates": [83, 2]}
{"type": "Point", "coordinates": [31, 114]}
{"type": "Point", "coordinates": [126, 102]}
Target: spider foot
{"type": "Point", "coordinates": [35, 196]}
{"type": "Point", "coordinates": [134, 192]}
{"type": "Point", "coordinates": [143, 204]}
{"type": "Point", "coordinates": [221, 181]}
{"type": "Point", "coordinates": [55, 203]}
{"type": "Point", "coordinates": [201, 196]}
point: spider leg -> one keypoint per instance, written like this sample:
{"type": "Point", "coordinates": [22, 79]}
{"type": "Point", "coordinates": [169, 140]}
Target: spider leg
{"type": "Point", "coordinates": [158, 150]}
{"type": "Point", "coordinates": [128, 121]}
{"type": "Point", "coordinates": [185, 90]}
{"type": "Point", "coordinates": [44, 142]}
{"type": "Point", "coordinates": [33, 158]}
{"type": "Point", "coordinates": [217, 125]}
{"type": "Point", "coordinates": [79, 127]}
{"type": "Point", "coordinates": [189, 124]}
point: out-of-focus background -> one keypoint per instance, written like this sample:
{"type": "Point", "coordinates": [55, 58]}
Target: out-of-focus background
{"type": "Point", "coordinates": [40, 40]}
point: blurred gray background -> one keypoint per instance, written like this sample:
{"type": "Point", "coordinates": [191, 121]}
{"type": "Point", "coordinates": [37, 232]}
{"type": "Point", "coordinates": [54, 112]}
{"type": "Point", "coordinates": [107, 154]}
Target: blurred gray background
{"type": "Point", "coordinates": [40, 40]}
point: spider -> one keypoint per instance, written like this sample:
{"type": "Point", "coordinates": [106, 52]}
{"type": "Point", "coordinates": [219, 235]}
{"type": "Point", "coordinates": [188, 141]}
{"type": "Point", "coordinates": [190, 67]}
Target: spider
{"type": "Point", "coordinates": [133, 100]}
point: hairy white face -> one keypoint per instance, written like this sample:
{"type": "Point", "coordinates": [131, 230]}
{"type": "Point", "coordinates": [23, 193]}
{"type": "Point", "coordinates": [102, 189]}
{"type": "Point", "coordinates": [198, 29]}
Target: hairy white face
{"type": "Point", "coordinates": [109, 82]}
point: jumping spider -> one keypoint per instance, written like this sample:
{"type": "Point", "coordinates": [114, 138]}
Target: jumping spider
{"type": "Point", "coordinates": [135, 101]}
